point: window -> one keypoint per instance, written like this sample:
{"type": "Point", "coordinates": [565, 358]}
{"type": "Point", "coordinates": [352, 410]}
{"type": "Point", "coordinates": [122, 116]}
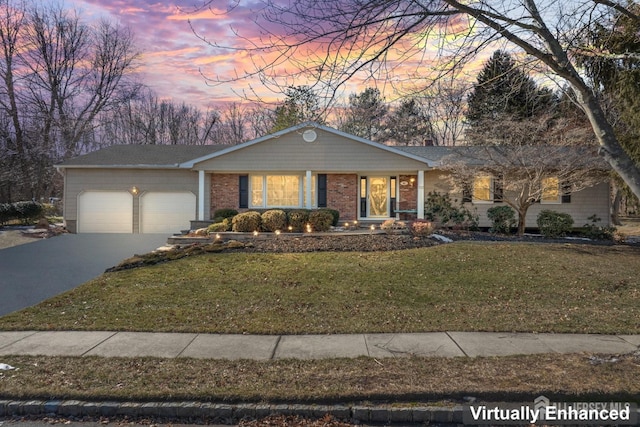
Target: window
{"type": "Point", "coordinates": [257, 191]}
{"type": "Point", "coordinates": [281, 191]}
{"type": "Point", "coordinates": [482, 189]}
{"type": "Point", "coordinates": [550, 190]}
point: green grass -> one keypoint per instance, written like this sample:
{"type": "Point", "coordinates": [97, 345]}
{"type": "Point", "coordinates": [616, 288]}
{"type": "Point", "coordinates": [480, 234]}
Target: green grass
{"type": "Point", "coordinates": [410, 380]}
{"type": "Point", "coordinates": [462, 287]}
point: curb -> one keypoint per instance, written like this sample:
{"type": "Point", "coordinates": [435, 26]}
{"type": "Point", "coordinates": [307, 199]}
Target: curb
{"type": "Point", "coordinates": [231, 413]}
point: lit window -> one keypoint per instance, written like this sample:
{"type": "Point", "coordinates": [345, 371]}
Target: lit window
{"type": "Point", "coordinates": [280, 191]}
{"type": "Point", "coordinates": [550, 190]}
{"type": "Point", "coordinates": [257, 191]}
{"type": "Point", "coordinates": [283, 190]}
{"type": "Point", "coordinates": [482, 189]}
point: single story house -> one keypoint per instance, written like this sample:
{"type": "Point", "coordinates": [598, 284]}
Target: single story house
{"type": "Point", "coordinates": [162, 189]}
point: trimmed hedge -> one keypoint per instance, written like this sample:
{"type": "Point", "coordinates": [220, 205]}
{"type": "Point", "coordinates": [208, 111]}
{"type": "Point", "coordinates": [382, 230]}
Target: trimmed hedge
{"type": "Point", "coordinates": [274, 219]}
{"type": "Point", "coordinates": [320, 220]}
{"type": "Point", "coordinates": [247, 222]}
{"type": "Point", "coordinates": [334, 213]}
{"type": "Point", "coordinates": [554, 224]}
{"type": "Point", "coordinates": [298, 220]}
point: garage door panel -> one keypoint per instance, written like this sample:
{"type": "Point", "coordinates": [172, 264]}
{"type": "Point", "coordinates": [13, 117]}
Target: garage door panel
{"type": "Point", "coordinates": [166, 212]}
{"type": "Point", "coordinates": [105, 212]}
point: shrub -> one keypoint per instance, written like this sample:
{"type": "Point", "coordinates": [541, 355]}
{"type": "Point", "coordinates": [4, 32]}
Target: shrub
{"type": "Point", "coordinates": [274, 219]}
{"type": "Point", "coordinates": [28, 211]}
{"type": "Point", "coordinates": [503, 218]}
{"type": "Point", "coordinates": [298, 219]}
{"type": "Point", "coordinates": [597, 232]}
{"type": "Point", "coordinates": [246, 222]}
{"type": "Point", "coordinates": [422, 228]}
{"type": "Point", "coordinates": [554, 224]}
{"type": "Point", "coordinates": [224, 225]}
{"type": "Point", "coordinates": [320, 220]}
{"type": "Point", "coordinates": [220, 214]}
{"type": "Point", "coordinates": [7, 212]}
{"type": "Point", "coordinates": [334, 213]}
{"type": "Point", "coordinates": [391, 225]}
{"type": "Point", "coordinates": [441, 209]}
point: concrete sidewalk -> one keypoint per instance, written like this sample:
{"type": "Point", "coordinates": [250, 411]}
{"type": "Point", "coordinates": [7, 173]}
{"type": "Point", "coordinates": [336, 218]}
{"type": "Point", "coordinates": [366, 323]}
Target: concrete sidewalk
{"type": "Point", "coordinates": [268, 347]}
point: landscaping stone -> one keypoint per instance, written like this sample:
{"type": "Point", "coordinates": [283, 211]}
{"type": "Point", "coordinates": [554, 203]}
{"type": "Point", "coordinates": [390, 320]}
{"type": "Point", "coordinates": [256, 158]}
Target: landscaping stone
{"type": "Point", "coordinates": [70, 408]}
{"type": "Point", "coordinates": [33, 407]}
{"type": "Point", "coordinates": [188, 410]}
{"type": "Point", "coordinates": [360, 413]}
{"type": "Point", "coordinates": [109, 409]}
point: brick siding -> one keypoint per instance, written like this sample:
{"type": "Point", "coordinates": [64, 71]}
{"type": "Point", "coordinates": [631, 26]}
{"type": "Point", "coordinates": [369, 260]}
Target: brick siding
{"type": "Point", "coordinates": [224, 191]}
{"type": "Point", "coordinates": [342, 195]}
{"type": "Point", "coordinates": [408, 193]}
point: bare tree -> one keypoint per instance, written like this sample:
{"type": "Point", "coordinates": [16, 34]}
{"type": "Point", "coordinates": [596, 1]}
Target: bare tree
{"type": "Point", "coordinates": [57, 74]}
{"type": "Point", "coordinates": [149, 120]}
{"type": "Point", "coordinates": [334, 40]}
{"type": "Point", "coordinates": [445, 100]}
{"type": "Point", "coordinates": [537, 158]}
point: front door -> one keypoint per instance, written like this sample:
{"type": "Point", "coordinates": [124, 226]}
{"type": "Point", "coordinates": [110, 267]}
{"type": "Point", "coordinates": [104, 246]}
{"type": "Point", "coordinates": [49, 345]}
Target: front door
{"type": "Point", "coordinates": [377, 196]}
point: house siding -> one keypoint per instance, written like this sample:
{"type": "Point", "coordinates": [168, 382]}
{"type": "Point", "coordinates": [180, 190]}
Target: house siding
{"type": "Point", "coordinates": [81, 180]}
{"type": "Point", "coordinates": [329, 153]}
{"type": "Point", "coordinates": [584, 203]}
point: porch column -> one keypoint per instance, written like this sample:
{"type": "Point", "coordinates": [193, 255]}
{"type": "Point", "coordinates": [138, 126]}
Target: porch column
{"type": "Point", "coordinates": [420, 195]}
{"type": "Point", "coordinates": [200, 195]}
{"type": "Point", "coordinates": [307, 189]}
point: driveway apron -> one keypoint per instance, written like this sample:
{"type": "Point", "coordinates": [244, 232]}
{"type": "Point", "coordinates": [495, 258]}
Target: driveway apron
{"type": "Point", "coordinates": [34, 272]}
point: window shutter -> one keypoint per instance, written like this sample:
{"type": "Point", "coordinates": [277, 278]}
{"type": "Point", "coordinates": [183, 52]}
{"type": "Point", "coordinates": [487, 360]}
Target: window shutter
{"type": "Point", "coordinates": [467, 192]}
{"type": "Point", "coordinates": [498, 189]}
{"type": "Point", "coordinates": [566, 193]}
{"type": "Point", "coordinates": [322, 190]}
{"type": "Point", "coordinates": [243, 186]}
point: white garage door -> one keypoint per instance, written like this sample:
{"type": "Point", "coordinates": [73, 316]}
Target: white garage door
{"type": "Point", "coordinates": [105, 212]}
{"type": "Point", "coordinates": [170, 212]}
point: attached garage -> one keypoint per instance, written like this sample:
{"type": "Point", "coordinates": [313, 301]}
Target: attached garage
{"type": "Point", "coordinates": [166, 212]}
{"type": "Point", "coordinates": [105, 212]}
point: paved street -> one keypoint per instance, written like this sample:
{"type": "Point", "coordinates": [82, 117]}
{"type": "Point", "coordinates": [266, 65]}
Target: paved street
{"type": "Point", "coordinates": [36, 271]}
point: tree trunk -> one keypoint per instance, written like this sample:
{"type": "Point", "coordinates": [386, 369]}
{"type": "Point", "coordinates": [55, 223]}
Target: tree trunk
{"type": "Point", "coordinates": [615, 213]}
{"type": "Point", "coordinates": [610, 148]}
{"type": "Point", "coordinates": [522, 215]}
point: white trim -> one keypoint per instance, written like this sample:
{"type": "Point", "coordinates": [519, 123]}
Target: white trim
{"type": "Point", "coordinates": [200, 195]}
{"type": "Point", "coordinates": [420, 201]}
{"type": "Point", "coordinates": [309, 184]}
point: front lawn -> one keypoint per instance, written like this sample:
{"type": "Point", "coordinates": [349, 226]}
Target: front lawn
{"type": "Point", "coordinates": [413, 380]}
{"type": "Point", "coordinates": [455, 287]}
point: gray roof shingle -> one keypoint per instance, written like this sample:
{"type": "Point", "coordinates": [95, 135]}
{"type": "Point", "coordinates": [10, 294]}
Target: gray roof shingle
{"type": "Point", "coordinates": [141, 156]}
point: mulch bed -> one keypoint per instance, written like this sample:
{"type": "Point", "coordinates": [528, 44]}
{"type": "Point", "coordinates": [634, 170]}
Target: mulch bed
{"type": "Point", "coordinates": [332, 243]}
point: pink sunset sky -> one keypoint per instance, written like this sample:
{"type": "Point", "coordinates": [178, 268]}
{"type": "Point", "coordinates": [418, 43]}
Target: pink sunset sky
{"type": "Point", "coordinates": [174, 62]}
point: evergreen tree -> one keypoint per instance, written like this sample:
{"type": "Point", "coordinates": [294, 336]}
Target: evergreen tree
{"type": "Point", "coordinates": [366, 115]}
{"type": "Point", "coordinates": [410, 125]}
{"type": "Point", "coordinates": [503, 91]}
{"type": "Point", "coordinates": [301, 104]}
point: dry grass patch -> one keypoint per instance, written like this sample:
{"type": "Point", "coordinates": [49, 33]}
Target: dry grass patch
{"type": "Point", "coordinates": [460, 287]}
{"type": "Point", "coordinates": [343, 380]}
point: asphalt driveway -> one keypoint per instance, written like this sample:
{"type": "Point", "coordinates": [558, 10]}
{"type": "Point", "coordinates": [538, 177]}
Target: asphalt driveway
{"type": "Point", "coordinates": [33, 272]}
